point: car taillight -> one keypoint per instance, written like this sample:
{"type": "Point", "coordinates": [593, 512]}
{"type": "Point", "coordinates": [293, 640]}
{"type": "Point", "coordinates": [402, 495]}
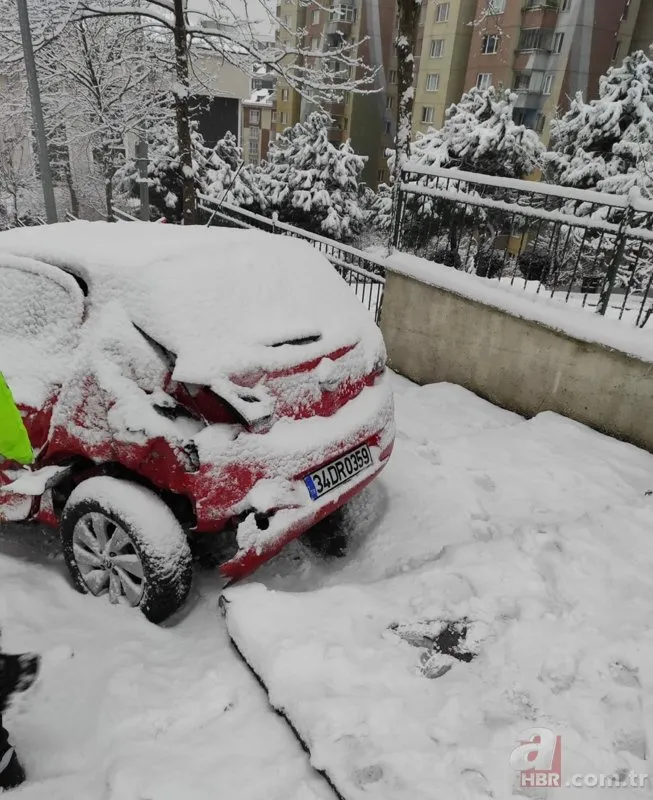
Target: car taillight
{"type": "Point", "coordinates": [205, 405]}
{"type": "Point", "coordinates": [254, 404]}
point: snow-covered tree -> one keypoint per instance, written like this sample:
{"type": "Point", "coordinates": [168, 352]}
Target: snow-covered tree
{"type": "Point", "coordinates": [218, 172]}
{"type": "Point", "coordinates": [16, 168]}
{"type": "Point", "coordinates": [213, 25]}
{"type": "Point", "coordinates": [313, 183]}
{"type": "Point", "coordinates": [607, 145]}
{"type": "Point", "coordinates": [480, 135]}
{"type": "Point", "coordinates": [406, 38]}
{"type": "Point", "coordinates": [227, 178]}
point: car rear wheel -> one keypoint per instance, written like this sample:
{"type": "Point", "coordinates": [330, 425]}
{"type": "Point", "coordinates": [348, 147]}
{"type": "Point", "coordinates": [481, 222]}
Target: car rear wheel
{"type": "Point", "coordinates": [120, 540]}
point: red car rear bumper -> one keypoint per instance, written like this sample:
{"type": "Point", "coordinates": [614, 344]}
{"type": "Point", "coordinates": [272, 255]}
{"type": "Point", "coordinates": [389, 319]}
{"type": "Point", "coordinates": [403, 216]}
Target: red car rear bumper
{"type": "Point", "coordinates": [289, 524]}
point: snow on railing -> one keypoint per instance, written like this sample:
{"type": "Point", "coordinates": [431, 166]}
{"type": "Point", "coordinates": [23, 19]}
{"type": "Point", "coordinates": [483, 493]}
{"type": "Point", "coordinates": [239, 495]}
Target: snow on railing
{"type": "Point", "coordinates": [587, 247]}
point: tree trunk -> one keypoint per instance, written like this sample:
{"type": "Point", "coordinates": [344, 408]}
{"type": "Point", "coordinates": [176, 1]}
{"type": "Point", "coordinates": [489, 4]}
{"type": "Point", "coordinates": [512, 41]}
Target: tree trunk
{"type": "Point", "coordinates": [108, 197]}
{"type": "Point", "coordinates": [405, 46]}
{"type": "Point", "coordinates": [74, 200]}
{"type": "Point", "coordinates": [182, 116]}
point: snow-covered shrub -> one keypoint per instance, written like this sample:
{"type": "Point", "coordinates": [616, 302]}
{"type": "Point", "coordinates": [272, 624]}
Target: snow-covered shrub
{"type": "Point", "coordinates": [313, 183]}
{"type": "Point", "coordinates": [607, 145]}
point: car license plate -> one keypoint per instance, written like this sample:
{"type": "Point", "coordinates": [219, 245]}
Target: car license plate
{"type": "Point", "coordinates": [343, 469]}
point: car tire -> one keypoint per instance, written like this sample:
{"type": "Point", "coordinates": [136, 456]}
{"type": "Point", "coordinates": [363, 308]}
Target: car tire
{"type": "Point", "coordinates": [121, 539]}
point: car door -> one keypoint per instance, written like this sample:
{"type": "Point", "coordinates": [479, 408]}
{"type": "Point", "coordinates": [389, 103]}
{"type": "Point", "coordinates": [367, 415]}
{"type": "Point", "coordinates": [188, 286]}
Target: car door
{"type": "Point", "coordinates": [41, 311]}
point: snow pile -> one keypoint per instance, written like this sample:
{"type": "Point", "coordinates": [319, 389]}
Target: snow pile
{"type": "Point", "coordinates": [523, 531]}
{"type": "Point", "coordinates": [537, 533]}
{"type": "Point", "coordinates": [137, 711]}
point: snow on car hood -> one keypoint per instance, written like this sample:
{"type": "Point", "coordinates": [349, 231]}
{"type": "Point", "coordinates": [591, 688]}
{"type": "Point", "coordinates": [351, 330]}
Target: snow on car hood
{"type": "Point", "coordinates": [224, 301]}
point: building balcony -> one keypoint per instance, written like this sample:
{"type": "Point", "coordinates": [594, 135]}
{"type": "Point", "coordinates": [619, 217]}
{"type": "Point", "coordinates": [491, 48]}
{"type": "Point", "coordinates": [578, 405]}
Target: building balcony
{"type": "Point", "coordinates": [337, 26]}
{"type": "Point", "coordinates": [537, 5]}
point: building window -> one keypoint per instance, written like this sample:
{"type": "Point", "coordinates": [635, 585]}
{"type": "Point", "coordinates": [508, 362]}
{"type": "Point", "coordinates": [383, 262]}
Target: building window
{"type": "Point", "coordinates": [442, 12]}
{"type": "Point", "coordinates": [253, 148]}
{"type": "Point", "coordinates": [548, 84]}
{"type": "Point", "coordinates": [381, 176]}
{"type": "Point", "coordinates": [540, 121]}
{"type": "Point", "coordinates": [273, 117]}
{"type": "Point", "coordinates": [284, 117]}
{"type": "Point", "coordinates": [558, 39]}
{"type": "Point", "coordinates": [286, 22]}
{"type": "Point", "coordinates": [566, 5]}
{"type": "Point", "coordinates": [255, 117]}
{"type": "Point", "coordinates": [278, 11]}
{"type": "Point", "coordinates": [388, 126]}
{"type": "Point", "coordinates": [522, 82]}
{"type": "Point", "coordinates": [392, 76]}
{"type": "Point", "coordinates": [484, 80]}
{"type": "Point", "coordinates": [437, 48]}
{"type": "Point", "coordinates": [496, 6]}
{"type": "Point", "coordinates": [428, 113]}
{"type": "Point", "coordinates": [345, 13]}
{"type": "Point", "coordinates": [530, 39]}
{"type": "Point", "coordinates": [315, 43]}
{"type": "Point", "coordinates": [389, 101]}
{"type": "Point", "coordinates": [285, 94]}
{"type": "Point", "coordinates": [315, 20]}
{"type": "Point", "coordinates": [433, 82]}
{"type": "Point", "coordinates": [490, 45]}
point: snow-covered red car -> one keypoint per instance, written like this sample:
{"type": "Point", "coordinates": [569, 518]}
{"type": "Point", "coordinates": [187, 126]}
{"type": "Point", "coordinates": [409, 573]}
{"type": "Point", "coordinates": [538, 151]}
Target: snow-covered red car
{"type": "Point", "coordinates": [178, 382]}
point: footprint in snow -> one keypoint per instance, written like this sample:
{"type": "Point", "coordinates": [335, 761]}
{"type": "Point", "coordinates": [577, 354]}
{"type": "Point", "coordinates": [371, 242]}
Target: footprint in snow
{"type": "Point", "coordinates": [476, 784]}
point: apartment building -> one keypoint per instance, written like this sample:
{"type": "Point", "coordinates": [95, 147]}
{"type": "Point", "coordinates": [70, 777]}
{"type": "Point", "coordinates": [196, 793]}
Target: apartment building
{"type": "Point", "coordinates": [442, 55]}
{"type": "Point", "coordinates": [259, 124]}
{"type": "Point", "coordinates": [636, 28]}
{"type": "Point", "coordinates": [545, 51]}
{"type": "Point", "coordinates": [365, 119]}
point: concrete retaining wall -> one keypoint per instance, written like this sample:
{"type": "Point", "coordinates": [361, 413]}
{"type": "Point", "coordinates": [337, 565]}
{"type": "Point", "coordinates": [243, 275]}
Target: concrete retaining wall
{"type": "Point", "coordinates": [433, 334]}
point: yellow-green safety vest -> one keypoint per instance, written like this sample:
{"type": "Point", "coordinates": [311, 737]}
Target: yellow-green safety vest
{"type": "Point", "coordinates": [14, 441]}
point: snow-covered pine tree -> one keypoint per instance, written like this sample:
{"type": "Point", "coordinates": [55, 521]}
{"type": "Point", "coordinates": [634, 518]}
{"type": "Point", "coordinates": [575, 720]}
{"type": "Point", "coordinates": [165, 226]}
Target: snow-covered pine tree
{"type": "Point", "coordinates": [217, 172]}
{"type": "Point", "coordinates": [607, 145]}
{"type": "Point", "coordinates": [227, 178]}
{"type": "Point", "coordinates": [480, 135]}
{"type": "Point", "coordinates": [313, 183]}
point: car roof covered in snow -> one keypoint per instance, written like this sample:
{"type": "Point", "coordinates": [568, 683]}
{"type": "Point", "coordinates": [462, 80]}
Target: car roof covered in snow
{"type": "Point", "coordinates": [223, 300]}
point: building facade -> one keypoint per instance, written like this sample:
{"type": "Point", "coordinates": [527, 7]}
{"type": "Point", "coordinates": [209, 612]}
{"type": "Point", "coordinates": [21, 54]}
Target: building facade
{"type": "Point", "coordinates": [546, 51]}
{"type": "Point", "coordinates": [259, 125]}
{"type": "Point", "coordinates": [442, 55]}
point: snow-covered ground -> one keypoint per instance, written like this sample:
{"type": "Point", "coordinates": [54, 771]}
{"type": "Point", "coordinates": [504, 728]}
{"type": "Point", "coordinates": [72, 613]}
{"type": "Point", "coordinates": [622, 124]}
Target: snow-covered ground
{"type": "Point", "coordinates": [538, 532]}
